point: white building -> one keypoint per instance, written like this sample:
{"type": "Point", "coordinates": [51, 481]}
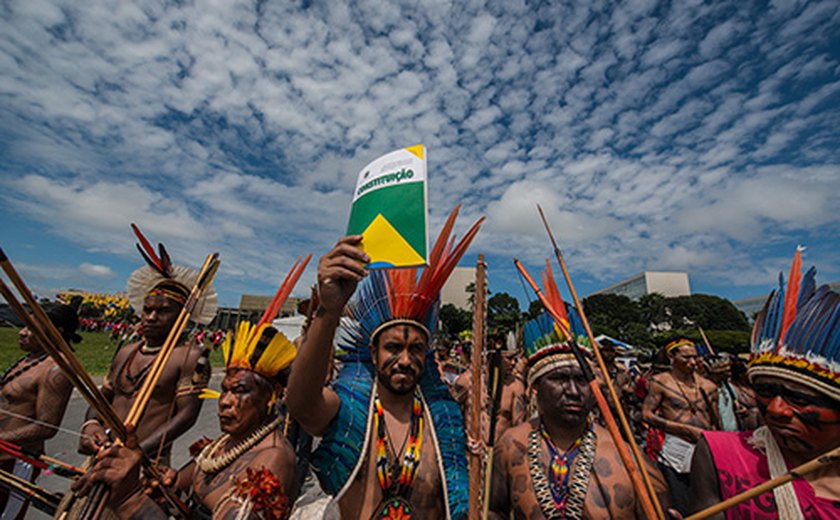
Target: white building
{"type": "Point", "coordinates": [455, 289]}
{"type": "Point", "coordinates": [668, 284]}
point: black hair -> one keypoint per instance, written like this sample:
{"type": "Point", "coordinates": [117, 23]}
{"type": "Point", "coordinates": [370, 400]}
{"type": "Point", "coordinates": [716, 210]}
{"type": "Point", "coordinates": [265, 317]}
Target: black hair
{"type": "Point", "coordinates": [64, 317]}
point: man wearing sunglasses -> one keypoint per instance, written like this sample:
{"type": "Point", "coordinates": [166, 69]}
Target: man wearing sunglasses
{"type": "Point", "coordinates": [795, 372]}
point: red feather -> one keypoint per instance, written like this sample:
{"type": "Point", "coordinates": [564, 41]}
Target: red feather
{"type": "Point", "coordinates": [148, 251]}
{"type": "Point", "coordinates": [165, 260]}
{"type": "Point", "coordinates": [412, 298]}
{"type": "Point", "coordinates": [791, 294]}
{"type": "Point", "coordinates": [284, 290]}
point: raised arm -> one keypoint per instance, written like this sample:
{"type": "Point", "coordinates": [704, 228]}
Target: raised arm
{"type": "Point", "coordinates": [309, 401]}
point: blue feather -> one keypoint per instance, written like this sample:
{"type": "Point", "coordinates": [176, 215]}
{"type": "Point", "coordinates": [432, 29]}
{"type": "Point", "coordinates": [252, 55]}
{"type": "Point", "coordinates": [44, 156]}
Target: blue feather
{"type": "Point", "coordinates": [825, 322]}
{"type": "Point", "coordinates": [807, 286]}
{"type": "Point", "coordinates": [813, 321]}
{"type": "Point", "coordinates": [575, 323]}
{"type": "Point", "coordinates": [772, 317]}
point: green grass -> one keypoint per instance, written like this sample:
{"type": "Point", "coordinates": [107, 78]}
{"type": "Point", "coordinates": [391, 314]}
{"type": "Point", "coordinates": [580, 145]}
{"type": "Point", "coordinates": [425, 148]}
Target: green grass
{"type": "Point", "coordinates": [94, 352]}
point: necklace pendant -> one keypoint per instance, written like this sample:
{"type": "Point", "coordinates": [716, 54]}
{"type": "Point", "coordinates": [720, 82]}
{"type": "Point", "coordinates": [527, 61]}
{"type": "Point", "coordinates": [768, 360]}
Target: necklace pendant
{"type": "Point", "coordinates": [395, 508]}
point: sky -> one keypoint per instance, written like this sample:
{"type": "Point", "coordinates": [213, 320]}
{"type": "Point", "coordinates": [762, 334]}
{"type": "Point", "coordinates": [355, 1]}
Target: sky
{"type": "Point", "coordinates": [688, 136]}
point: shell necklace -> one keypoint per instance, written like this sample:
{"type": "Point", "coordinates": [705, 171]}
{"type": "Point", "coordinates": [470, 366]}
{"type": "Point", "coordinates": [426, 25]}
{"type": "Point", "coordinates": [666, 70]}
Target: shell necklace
{"type": "Point", "coordinates": [211, 464]}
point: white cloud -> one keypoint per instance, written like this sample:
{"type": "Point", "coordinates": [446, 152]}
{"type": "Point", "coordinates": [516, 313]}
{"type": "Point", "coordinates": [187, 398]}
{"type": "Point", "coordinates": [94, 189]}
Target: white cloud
{"type": "Point", "coordinates": [658, 132]}
{"type": "Point", "coordinates": [96, 270]}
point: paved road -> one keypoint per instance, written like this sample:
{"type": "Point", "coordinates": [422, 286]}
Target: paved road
{"type": "Point", "coordinates": [63, 445]}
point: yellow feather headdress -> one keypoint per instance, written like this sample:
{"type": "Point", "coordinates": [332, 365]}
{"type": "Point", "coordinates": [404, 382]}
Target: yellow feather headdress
{"type": "Point", "coordinates": [261, 348]}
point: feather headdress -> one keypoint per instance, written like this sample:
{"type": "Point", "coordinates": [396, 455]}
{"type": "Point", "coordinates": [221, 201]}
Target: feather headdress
{"type": "Point", "coordinates": [796, 336]}
{"type": "Point", "coordinates": [261, 348]}
{"type": "Point", "coordinates": [384, 298]}
{"type": "Point", "coordinates": [390, 296]}
{"type": "Point", "coordinates": [547, 346]}
{"type": "Point", "coordinates": [161, 277]}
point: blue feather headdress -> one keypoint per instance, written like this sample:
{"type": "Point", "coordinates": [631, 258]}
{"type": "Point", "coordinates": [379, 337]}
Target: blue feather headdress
{"type": "Point", "coordinates": [797, 335]}
{"type": "Point", "coordinates": [391, 296]}
{"type": "Point", "coordinates": [546, 346]}
{"type": "Point", "coordinates": [385, 298]}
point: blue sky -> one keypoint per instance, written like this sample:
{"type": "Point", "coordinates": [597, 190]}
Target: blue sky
{"type": "Point", "coordinates": [658, 136]}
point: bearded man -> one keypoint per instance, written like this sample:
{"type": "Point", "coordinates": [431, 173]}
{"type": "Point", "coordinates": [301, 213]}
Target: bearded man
{"type": "Point", "coordinates": [248, 472]}
{"type": "Point", "coordinates": [682, 404]}
{"type": "Point", "coordinates": [795, 372]}
{"type": "Point", "coordinates": [157, 292]}
{"type": "Point", "coordinates": [392, 438]}
{"type": "Point", "coordinates": [33, 398]}
{"type": "Point", "coordinates": [561, 464]}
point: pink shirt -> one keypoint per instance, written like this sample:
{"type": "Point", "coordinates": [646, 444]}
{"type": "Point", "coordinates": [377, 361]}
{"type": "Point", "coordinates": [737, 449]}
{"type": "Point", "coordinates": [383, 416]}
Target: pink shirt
{"type": "Point", "coordinates": [741, 467]}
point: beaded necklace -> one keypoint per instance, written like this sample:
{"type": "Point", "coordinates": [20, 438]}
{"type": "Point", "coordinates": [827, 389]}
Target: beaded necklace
{"type": "Point", "coordinates": [411, 458]}
{"type": "Point", "coordinates": [16, 370]}
{"type": "Point", "coordinates": [559, 464]}
{"type": "Point", "coordinates": [211, 464]}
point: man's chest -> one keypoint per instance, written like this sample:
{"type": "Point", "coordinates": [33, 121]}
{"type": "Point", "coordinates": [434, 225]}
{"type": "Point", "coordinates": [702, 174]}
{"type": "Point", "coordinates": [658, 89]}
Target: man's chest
{"type": "Point", "coordinates": [679, 400]}
{"type": "Point", "coordinates": [131, 373]}
{"type": "Point", "coordinates": [21, 390]}
{"type": "Point", "coordinates": [211, 489]}
{"type": "Point", "coordinates": [423, 492]}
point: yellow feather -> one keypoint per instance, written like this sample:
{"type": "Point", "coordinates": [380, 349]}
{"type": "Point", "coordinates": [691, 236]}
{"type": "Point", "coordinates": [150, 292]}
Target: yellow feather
{"type": "Point", "coordinates": [209, 394]}
{"type": "Point", "coordinates": [239, 358]}
{"type": "Point", "coordinates": [226, 348]}
{"type": "Point", "coordinates": [278, 355]}
{"type": "Point", "coordinates": [256, 334]}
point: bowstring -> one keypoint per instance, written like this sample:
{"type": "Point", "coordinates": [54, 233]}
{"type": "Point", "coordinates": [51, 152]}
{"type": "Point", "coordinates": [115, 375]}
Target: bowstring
{"type": "Point", "coordinates": [50, 425]}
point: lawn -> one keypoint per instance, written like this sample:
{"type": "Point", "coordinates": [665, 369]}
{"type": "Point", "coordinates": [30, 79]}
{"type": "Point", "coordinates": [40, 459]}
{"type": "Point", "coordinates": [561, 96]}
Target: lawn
{"type": "Point", "coordinates": [94, 352]}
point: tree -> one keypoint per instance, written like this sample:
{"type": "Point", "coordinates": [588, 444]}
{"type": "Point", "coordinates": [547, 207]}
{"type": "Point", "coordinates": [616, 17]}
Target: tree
{"type": "Point", "coordinates": [455, 320]}
{"type": "Point", "coordinates": [707, 311]}
{"type": "Point", "coordinates": [503, 312]}
{"type": "Point", "coordinates": [535, 308]}
{"type": "Point", "coordinates": [611, 314]}
{"type": "Point", "coordinates": [653, 310]}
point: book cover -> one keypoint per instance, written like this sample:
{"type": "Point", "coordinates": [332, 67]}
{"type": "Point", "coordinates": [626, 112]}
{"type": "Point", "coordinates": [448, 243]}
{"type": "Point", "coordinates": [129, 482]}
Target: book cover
{"type": "Point", "coordinates": [389, 209]}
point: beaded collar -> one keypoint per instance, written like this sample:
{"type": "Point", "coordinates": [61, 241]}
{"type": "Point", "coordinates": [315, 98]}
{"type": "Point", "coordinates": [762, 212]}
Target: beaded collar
{"type": "Point", "coordinates": [210, 464]}
{"type": "Point", "coordinates": [572, 507]}
{"type": "Point", "coordinates": [411, 459]}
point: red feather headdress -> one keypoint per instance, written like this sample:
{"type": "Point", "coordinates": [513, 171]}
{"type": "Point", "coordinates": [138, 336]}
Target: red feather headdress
{"type": "Point", "coordinates": [389, 296]}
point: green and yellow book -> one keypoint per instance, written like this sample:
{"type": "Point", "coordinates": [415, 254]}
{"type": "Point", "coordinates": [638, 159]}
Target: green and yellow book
{"type": "Point", "coordinates": [389, 209]}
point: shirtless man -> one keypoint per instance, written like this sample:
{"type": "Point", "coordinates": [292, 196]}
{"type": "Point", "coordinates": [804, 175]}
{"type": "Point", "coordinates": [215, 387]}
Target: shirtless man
{"type": "Point", "coordinates": [370, 419]}
{"type": "Point", "coordinates": [157, 292]}
{"type": "Point", "coordinates": [683, 405]}
{"type": "Point", "coordinates": [513, 405]}
{"type": "Point", "coordinates": [33, 395]}
{"type": "Point", "coordinates": [598, 485]}
{"type": "Point", "coordinates": [796, 377]}
{"type": "Point", "coordinates": [618, 374]}
{"type": "Point", "coordinates": [248, 418]}
{"type": "Point", "coordinates": [248, 472]}
{"type": "Point", "coordinates": [750, 417]}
